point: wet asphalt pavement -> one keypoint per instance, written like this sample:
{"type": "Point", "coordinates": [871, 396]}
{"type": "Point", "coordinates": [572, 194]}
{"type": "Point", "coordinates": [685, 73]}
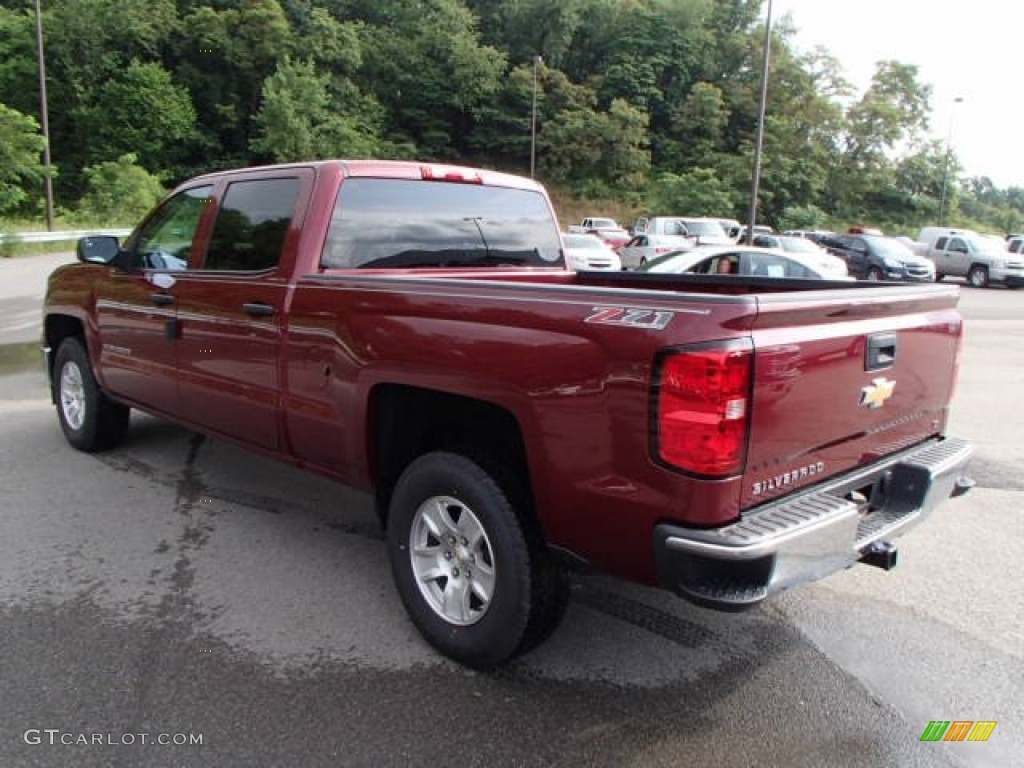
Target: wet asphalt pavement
{"type": "Point", "coordinates": [182, 586]}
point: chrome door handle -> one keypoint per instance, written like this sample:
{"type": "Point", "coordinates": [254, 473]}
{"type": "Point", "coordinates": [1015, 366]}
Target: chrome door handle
{"type": "Point", "coordinates": [258, 309]}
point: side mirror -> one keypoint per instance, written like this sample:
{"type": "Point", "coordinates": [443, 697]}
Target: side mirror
{"type": "Point", "coordinates": [99, 249]}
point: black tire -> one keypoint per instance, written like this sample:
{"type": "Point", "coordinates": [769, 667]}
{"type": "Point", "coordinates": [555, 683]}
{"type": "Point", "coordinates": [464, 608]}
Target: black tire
{"type": "Point", "coordinates": [528, 593]}
{"type": "Point", "coordinates": [978, 276]}
{"type": "Point", "coordinates": [89, 419]}
{"type": "Point", "coordinates": [938, 277]}
{"type": "Point", "coordinates": [874, 274]}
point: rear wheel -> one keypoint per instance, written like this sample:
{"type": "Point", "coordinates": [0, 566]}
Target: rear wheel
{"type": "Point", "coordinates": [978, 276]}
{"type": "Point", "coordinates": [471, 575]}
{"type": "Point", "coordinates": [90, 420]}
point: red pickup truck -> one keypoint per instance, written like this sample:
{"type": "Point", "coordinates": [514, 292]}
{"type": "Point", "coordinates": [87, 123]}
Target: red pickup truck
{"type": "Point", "coordinates": [409, 329]}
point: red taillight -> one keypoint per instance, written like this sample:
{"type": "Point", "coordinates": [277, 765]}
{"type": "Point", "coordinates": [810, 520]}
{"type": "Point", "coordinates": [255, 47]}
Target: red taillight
{"type": "Point", "coordinates": [703, 404]}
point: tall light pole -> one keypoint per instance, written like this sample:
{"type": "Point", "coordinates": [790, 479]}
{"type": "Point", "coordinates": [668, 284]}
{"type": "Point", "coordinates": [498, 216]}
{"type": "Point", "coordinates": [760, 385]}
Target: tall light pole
{"type": "Point", "coordinates": [45, 121]}
{"type": "Point", "coordinates": [945, 170]}
{"type": "Point", "coordinates": [537, 61]}
{"type": "Point", "coordinates": [759, 143]}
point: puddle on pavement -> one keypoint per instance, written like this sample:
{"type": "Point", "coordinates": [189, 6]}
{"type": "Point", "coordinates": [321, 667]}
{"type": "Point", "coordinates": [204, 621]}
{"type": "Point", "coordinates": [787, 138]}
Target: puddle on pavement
{"type": "Point", "coordinates": [20, 357]}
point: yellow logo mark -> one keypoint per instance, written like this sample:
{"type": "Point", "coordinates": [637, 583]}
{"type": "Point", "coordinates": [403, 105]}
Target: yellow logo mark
{"type": "Point", "coordinates": [982, 730]}
{"type": "Point", "coordinates": [875, 395]}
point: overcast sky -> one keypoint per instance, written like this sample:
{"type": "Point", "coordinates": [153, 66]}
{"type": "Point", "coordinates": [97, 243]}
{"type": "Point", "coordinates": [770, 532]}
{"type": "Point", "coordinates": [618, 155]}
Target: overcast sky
{"type": "Point", "coordinates": [973, 50]}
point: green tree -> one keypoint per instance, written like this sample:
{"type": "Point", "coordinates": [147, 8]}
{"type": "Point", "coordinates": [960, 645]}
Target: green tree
{"type": "Point", "coordinates": [19, 76]}
{"type": "Point", "coordinates": [426, 65]}
{"type": "Point", "coordinates": [890, 116]}
{"type": "Point", "coordinates": [577, 142]}
{"type": "Point", "coordinates": [138, 110]}
{"type": "Point", "coordinates": [120, 191]}
{"type": "Point", "coordinates": [299, 120]}
{"type": "Point", "coordinates": [20, 147]}
{"type": "Point", "coordinates": [802, 217]}
{"type": "Point", "coordinates": [528, 28]}
{"type": "Point", "coordinates": [224, 55]}
{"type": "Point", "coordinates": [697, 192]}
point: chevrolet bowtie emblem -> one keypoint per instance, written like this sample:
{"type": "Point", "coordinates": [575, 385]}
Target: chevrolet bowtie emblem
{"type": "Point", "coordinates": [875, 395]}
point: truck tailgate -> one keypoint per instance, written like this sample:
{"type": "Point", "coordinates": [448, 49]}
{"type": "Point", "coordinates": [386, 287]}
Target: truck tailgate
{"type": "Point", "coordinates": [842, 381]}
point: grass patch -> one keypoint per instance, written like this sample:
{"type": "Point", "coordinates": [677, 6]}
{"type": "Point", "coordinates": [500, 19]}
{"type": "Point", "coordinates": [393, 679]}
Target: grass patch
{"type": "Point", "coordinates": [20, 357]}
{"type": "Point", "coordinates": [12, 250]}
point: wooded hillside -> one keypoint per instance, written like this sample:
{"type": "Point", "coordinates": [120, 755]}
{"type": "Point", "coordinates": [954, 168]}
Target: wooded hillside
{"type": "Point", "coordinates": [648, 103]}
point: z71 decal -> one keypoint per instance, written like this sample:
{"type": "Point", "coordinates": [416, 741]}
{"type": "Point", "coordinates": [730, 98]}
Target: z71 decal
{"type": "Point", "coordinates": [633, 317]}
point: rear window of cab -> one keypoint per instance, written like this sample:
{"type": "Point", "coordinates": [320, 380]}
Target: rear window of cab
{"type": "Point", "coordinates": [409, 223]}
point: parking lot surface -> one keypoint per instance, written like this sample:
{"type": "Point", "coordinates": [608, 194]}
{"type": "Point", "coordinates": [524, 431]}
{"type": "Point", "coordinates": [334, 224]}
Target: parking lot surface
{"type": "Point", "coordinates": [182, 587]}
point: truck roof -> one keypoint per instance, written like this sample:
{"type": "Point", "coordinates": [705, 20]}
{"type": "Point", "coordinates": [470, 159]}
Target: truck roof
{"type": "Point", "coordinates": [396, 169]}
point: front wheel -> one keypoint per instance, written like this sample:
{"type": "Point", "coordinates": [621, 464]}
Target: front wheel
{"type": "Point", "coordinates": [978, 276]}
{"type": "Point", "coordinates": [89, 419]}
{"type": "Point", "coordinates": [874, 274]}
{"type": "Point", "coordinates": [471, 577]}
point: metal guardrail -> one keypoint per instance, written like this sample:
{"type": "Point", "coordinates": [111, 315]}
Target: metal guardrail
{"type": "Point", "coordinates": [65, 235]}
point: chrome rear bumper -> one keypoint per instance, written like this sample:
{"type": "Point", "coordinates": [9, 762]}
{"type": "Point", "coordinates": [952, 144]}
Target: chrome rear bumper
{"type": "Point", "coordinates": [814, 533]}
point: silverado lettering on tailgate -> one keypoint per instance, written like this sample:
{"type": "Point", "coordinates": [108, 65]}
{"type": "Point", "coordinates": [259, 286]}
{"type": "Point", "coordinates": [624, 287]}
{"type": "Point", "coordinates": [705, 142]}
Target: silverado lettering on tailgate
{"type": "Point", "coordinates": [787, 478]}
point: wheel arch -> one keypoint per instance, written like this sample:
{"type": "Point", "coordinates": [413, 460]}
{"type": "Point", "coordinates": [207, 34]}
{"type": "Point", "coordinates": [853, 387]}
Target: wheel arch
{"type": "Point", "coordinates": [405, 422]}
{"type": "Point", "coordinates": [57, 328]}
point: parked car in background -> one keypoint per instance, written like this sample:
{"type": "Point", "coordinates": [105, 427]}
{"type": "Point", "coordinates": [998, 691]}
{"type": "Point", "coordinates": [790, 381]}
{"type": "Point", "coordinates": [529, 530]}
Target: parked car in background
{"type": "Point", "coordinates": [759, 229]}
{"type": "Point", "coordinates": [744, 261]}
{"type": "Point", "coordinates": [732, 228]}
{"type": "Point", "coordinates": [607, 229]}
{"type": "Point", "coordinates": [790, 244]}
{"type": "Point", "coordinates": [808, 234]}
{"type": "Point", "coordinates": [644, 248]}
{"type": "Point", "coordinates": [585, 252]}
{"type": "Point", "coordinates": [965, 253]}
{"type": "Point", "coordinates": [703, 230]}
{"type": "Point", "coordinates": [877, 257]}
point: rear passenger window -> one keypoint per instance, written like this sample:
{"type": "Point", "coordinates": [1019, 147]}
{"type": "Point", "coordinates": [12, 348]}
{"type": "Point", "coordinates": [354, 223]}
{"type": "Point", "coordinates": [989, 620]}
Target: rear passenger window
{"type": "Point", "coordinates": [940, 244]}
{"type": "Point", "coordinates": [251, 225]}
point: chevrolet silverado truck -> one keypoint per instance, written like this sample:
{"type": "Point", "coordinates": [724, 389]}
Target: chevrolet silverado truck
{"type": "Point", "coordinates": [981, 259]}
{"type": "Point", "coordinates": [410, 329]}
